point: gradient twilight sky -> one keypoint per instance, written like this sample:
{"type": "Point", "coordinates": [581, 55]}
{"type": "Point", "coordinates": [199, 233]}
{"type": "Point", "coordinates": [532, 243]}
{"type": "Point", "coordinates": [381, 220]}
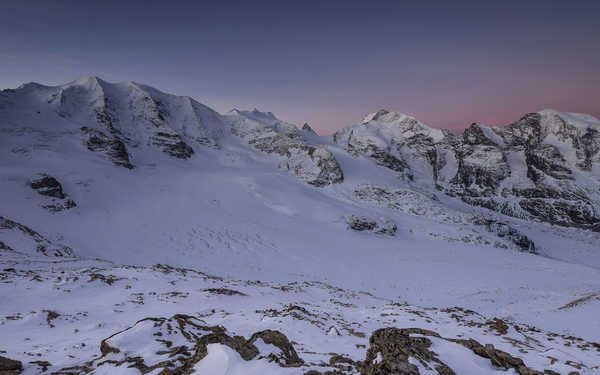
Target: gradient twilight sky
{"type": "Point", "coordinates": [448, 63]}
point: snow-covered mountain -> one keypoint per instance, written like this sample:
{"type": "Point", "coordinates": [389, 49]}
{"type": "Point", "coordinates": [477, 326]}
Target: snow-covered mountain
{"type": "Point", "coordinates": [126, 211]}
{"type": "Point", "coordinates": [545, 166]}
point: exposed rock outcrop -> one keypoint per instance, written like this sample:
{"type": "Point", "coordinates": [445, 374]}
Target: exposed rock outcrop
{"type": "Point", "coordinates": [287, 356]}
{"type": "Point", "coordinates": [113, 147]}
{"type": "Point", "coordinates": [15, 236]}
{"type": "Point", "coordinates": [177, 344]}
{"type": "Point", "coordinates": [378, 226]}
{"type": "Point", "coordinates": [49, 186]}
{"type": "Point", "coordinates": [504, 230]}
{"type": "Point", "coordinates": [171, 143]}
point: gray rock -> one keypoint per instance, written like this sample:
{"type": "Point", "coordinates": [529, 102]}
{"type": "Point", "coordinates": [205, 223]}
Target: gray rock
{"type": "Point", "coordinates": [378, 226]}
{"type": "Point", "coordinates": [48, 186]}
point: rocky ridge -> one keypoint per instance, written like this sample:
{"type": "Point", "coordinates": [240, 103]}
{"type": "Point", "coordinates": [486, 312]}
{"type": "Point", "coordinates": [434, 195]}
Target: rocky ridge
{"type": "Point", "coordinates": [544, 166]}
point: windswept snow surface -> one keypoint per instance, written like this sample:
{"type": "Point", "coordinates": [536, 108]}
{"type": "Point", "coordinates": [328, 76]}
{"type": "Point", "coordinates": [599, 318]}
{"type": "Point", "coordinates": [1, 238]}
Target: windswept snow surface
{"type": "Point", "coordinates": [227, 209]}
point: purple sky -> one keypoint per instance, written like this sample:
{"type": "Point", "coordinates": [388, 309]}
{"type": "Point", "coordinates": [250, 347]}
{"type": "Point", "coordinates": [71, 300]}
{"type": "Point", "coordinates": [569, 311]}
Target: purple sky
{"type": "Point", "coordinates": [323, 62]}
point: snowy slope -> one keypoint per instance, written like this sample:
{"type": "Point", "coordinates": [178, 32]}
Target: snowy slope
{"type": "Point", "coordinates": [157, 178]}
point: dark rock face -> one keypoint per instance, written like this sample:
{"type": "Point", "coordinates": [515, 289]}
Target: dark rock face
{"type": "Point", "coordinates": [172, 144]}
{"type": "Point", "coordinates": [563, 212]}
{"type": "Point", "coordinates": [544, 166]}
{"type": "Point", "coordinates": [48, 186]}
{"type": "Point", "coordinates": [377, 226]}
{"type": "Point", "coordinates": [481, 164]}
{"type": "Point", "coordinates": [10, 366]}
{"type": "Point", "coordinates": [113, 147]}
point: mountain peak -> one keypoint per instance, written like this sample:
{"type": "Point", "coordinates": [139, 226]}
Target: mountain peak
{"type": "Point", "coordinates": [383, 115]}
{"type": "Point", "coordinates": [87, 81]}
{"type": "Point", "coordinates": [308, 129]}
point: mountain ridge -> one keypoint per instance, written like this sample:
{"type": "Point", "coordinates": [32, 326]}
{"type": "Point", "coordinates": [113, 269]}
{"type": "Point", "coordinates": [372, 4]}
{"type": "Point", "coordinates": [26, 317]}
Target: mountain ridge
{"type": "Point", "coordinates": [543, 166]}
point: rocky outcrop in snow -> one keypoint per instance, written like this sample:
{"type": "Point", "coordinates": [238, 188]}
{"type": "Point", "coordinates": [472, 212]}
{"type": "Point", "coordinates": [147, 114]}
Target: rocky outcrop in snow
{"type": "Point", "coordinates": [18, 237]}
{"type": "Point", "coordinates": [375, 225]}
{"type": "Point", "coordinates": [176, 345]}
{"type": "Point", "coordinates": [10, 367]}
{"type": "Point", "coordinates": [504, 230]}
{"type": "Point", "coordinates": [112, 146]}
{"type": "Point", "coordinates": [50, 187]}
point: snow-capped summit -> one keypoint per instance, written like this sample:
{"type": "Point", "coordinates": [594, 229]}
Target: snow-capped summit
{"type": "Point", "coordinates": [383, 115]}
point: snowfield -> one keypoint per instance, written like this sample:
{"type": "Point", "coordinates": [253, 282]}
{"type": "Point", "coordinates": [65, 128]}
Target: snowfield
{"type": "Point", "coordinates": [142, 232]}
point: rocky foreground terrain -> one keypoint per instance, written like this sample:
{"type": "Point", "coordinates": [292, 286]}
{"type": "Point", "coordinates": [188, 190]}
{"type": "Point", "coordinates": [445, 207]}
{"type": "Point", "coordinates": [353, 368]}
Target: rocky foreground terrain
{"type": "Point", "coordinates": [93, 317]}
{"type": "Point", "coordinates": [143, 232]}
